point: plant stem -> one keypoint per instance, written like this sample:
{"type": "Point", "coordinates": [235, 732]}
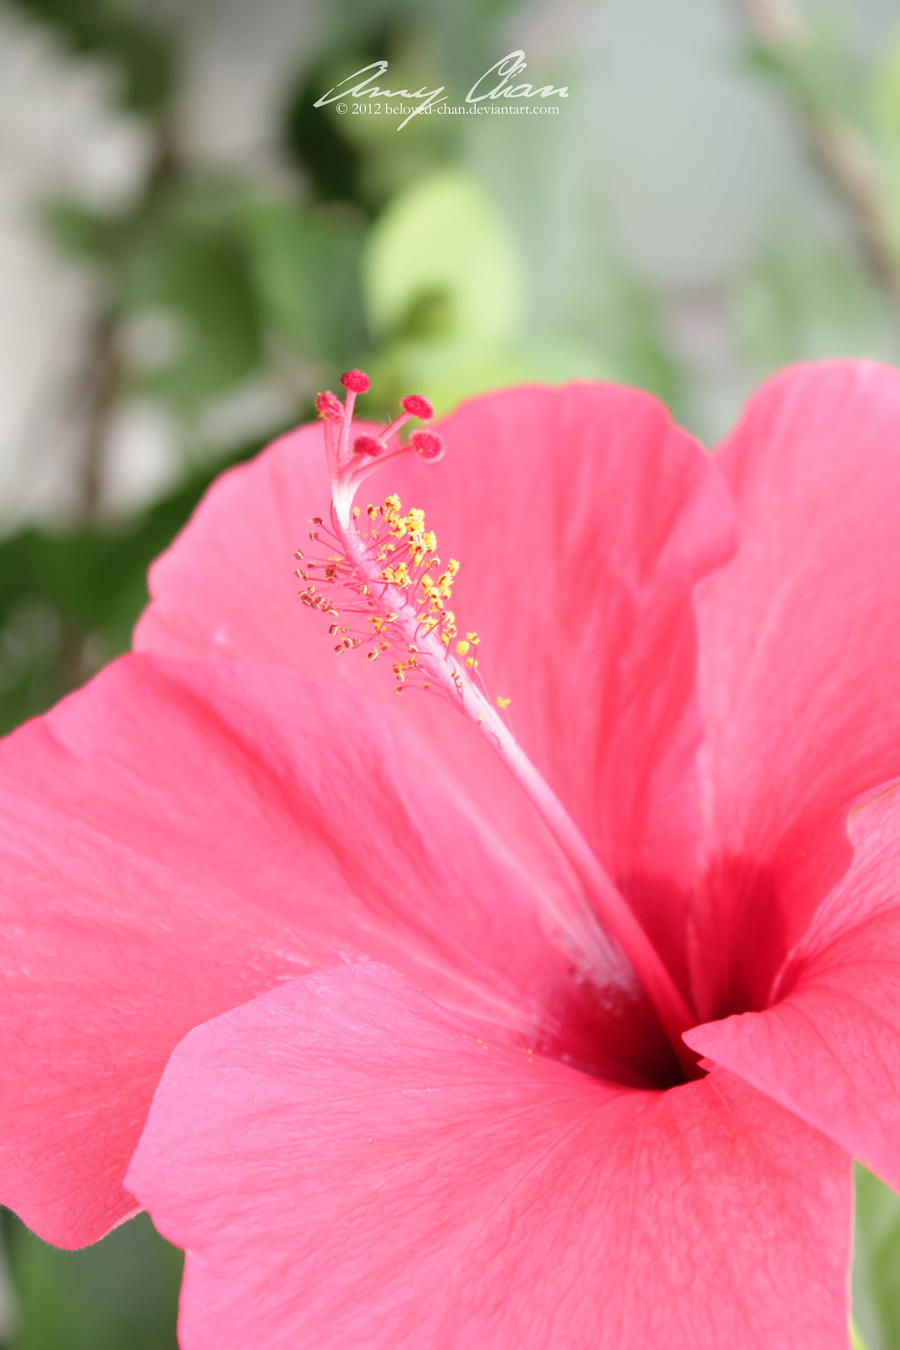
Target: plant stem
{"type": "Point", "coordinates": [840, 151]}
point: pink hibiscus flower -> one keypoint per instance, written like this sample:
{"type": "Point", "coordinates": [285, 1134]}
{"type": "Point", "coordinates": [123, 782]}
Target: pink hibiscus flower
{"type": "Point", "coordinates": [450, 1026]}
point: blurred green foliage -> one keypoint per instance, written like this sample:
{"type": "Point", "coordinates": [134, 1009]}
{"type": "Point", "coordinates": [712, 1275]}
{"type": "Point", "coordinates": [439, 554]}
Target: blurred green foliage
{"type": "Point", "coordinates": [122, 1292]}
{"type": "Point", "coordinates": [805, 300]}
{"type": "Point", "coordinates": [440, 264]}
{"type": "Point", "coordinates": [876, 1288]}
{"type": "Point", "coordinates": [69, 599]}
{"type": "Point", "coordinates": [121, 32]}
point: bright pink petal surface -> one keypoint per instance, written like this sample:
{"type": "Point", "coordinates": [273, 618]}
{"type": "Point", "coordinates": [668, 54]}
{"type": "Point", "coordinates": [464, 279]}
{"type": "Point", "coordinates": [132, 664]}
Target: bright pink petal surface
{"type": "Point", "coordinates": [800, 661]}
{"type": "Point", "coordinates": [582, 518]}
{"type": "Point", "coordinates": [830, 1050]}
{"type": "Point", "coordinates": [348, 1165]}
{"type": "Point", "coordinates": [177, 838]}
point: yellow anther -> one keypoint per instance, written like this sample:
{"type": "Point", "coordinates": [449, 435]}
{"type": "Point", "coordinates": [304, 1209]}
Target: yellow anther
{"type": "Point", "coordinates": [399, 552]}
{"type": "Point", "coordinates": [503, 702]}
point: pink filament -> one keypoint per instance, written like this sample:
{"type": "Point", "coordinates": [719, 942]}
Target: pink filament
{"type": "Point", "coordinates": [360, 569]}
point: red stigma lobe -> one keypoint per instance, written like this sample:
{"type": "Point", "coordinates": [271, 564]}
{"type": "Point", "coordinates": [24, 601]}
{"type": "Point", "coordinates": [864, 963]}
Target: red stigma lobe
{"type": "Point", "coordinates": [356, 381]}
{"type": "Point", "coordinates": [428, 444]}
{"type": "Point", "coordinates": [417, 406]}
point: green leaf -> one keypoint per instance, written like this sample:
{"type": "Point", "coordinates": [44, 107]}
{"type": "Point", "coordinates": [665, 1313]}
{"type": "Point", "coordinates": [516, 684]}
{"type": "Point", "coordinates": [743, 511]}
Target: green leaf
{"type": "Point", "coordinates": [80, 232]}
{"type": "Point", "coordinates": [443, 290]}
{"type": "Point", "coordinates": [305, 269]}
{"type": "Point", "coordinates": [121, 1292]}
{"type": "Point", "coordinates": [885, 106]}
{"type": "Point", "coordinates": [876, 1267]}
{"type": "Point", "coordinates": [820, 71]}
{"type": "Point", "coordinates": [885, 91]}
{"type": "Point", "coordinates": [69, 599]}
{"type": "Point", "coordinates": [440, 263]}
{"type": "Point", "coordinates": [187, 257]}
{"type": "Point", "coordinates": [801, 301]}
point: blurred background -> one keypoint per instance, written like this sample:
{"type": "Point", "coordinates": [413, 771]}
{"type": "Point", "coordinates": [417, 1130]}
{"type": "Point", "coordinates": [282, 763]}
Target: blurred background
{"type": "Point", "coordinates": [189, 250]}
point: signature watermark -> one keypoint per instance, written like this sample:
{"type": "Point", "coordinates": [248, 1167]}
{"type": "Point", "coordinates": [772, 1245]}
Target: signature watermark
{"type": "Point", "coordinates": [495, 91]}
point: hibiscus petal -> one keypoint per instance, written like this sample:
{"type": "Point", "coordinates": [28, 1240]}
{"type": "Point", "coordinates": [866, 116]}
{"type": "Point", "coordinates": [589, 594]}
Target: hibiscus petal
{"type": "Point", "coordinates": [582, 518]}
{"type": "Point", "coordinates": [177, 838]}
{"type": "Point", "coordinates": [800, 661]}
{"type": "Point", "coordinates": [346, 1164]}
{"type": "Point", "coordinates": [830, 1049]}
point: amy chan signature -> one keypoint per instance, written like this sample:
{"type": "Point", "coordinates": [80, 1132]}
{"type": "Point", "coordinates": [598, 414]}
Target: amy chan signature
{"type": "Point", "coordinates": [495, 83]}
